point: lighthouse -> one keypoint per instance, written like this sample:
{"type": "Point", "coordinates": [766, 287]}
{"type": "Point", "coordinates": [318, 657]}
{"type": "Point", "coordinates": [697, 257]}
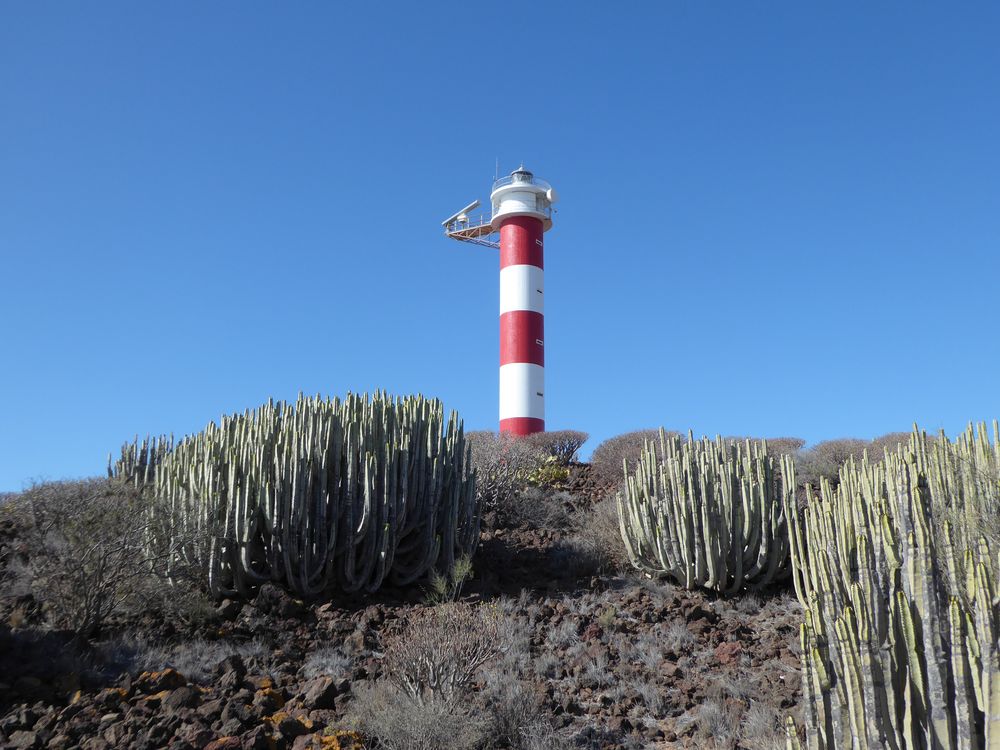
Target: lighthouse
{"type": "Point", "coordinates": [521, 214]}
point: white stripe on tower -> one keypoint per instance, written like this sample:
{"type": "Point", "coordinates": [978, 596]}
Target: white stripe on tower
{"type": "Point", "coordinates": [522, 287]}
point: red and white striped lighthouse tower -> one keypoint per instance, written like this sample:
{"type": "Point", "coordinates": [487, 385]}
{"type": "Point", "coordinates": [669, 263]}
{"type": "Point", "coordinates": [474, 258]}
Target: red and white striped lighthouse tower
{"type": "Point", "coordinates": [522, 213]}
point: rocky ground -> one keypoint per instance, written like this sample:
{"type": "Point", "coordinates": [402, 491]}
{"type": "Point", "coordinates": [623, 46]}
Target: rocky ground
{"type": "Point", "coordinates": [603, 660]}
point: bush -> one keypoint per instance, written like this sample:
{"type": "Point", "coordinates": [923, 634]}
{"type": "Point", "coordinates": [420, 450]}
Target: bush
{"type": "Point", "coordinates": [424, 699]}
{"type": "Point", "coordinates": [539, 509]}
{"type": "Point", "coordinates": [436, 658]}
{"type": "Point", "coordinates": [887, 443]}
{"type": "Point", "coordinates": [596, 544]}
{"type": "Point", "coordinates": [195, 658]}
{"type": "Point", "coordinates": [775, 446]}
{"type": "Point", "coordinates": [606, 460]}
{"type": "Point", "coordinates": [326, 660]}
{"type": "Point", "coordinates": [394, 722]}
{"type": "Point", "coordinates": [448, 587]}
{"type": "Point", "coordinates": [839, 450]}
{"type": "Point", "coordinates": [551, 473]}
{"type": "Point", "coordinates": [88, 557]}
{"type": "Point", "coordinates": [503, 464]}
{"type": "Point", "coordinates": [561, 445]}
{"type": "Point", "coordinates": [515, 713]}
{"type": "Point", "coordinates": [825, 459]}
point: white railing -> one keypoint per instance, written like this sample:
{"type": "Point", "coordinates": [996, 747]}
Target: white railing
{"type": "Point", "coordinates": [469, 223]}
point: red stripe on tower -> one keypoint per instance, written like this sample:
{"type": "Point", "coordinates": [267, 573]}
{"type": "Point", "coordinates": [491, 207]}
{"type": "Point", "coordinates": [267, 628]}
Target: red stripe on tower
{"type": "Point", "coordinates": [522, 338]}
{"type": "Point", "coordinates": [521, 242]}
{"type": "Point", "coordinates": [522, 426]}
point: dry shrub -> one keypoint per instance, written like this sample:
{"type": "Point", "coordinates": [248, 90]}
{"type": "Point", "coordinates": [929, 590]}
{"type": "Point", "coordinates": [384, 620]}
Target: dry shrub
{"type": "Point", "coordinates": [561, 445]}
{"type": "Point", "coordinates": [889, 442]}
{"type": "Point", "coordinates": [195, 658]}
{"type": "Point", "coordinates": [394, 722]}
{"type": "Point", "coordinates": [510, 700]}
{"type": "Point", "coordinates": [326, 660]}
{"type": "Point", "coordinates": [776, 446]}
{"type": "Point", "coordinates": [514, 707]}
{"type": "Point", "coordinates": [437, 656]}
{"type": "Point", "coordinates": [781, 445]}
{"type": "Point", "coordinates": [825, 459]}
{"type": "Point", "coordinates": [761, 728]}
{"type": "Point", "coordinates": [87, 556]}
{"type": "Point", "coordinates": [539, 509]}
{"type": "Point", "coordinates": [425, 699]}
{"type": "Point", "coordinates": [595, 545]}
{"type": "Point", "coordinates": [600, 530]}
{"type": "Point", "coordinates": [718, 723]}
{"type": "Point", "coordinates": [650, 694]}
{"type": "Point", "coordinates": [839, 450]}
{"type": "Point", "coordinates": [606, 460]}
{"type": "Point", "coordinates": [503, 464]}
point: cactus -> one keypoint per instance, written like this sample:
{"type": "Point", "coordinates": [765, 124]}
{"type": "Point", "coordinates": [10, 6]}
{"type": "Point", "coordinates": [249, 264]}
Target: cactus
{"type": "Point", "coordinates": [706, 513]}
{"type": "Point", "coordinates": [897, 572]}
{"type": "Point", "coordinates": [320, 493]}
{"type": "Point", "coordinates": [138, 461]}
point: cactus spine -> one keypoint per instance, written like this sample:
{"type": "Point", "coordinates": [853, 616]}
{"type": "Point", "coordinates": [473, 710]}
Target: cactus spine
{"type": "Point", "coordinates": [896, 568]}
{"type": "Point", "coordinates": [706, 513]}
{"type": "Point", "coordinates": [345, 493]}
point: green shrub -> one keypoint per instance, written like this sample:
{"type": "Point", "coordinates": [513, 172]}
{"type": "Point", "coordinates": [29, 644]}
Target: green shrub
{"type": "Point", "coordinates": [550, 473]}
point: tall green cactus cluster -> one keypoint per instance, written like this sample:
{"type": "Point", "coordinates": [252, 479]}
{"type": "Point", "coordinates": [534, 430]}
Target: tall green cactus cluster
{"type": "Point", "coordinates": [897, 570]}
{"type": "Point", "coordinates": [320, 493]}
{"type": "Point", "coordinates": [706, 513]}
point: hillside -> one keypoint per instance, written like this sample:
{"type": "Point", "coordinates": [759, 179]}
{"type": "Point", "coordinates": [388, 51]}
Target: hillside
{"type": "Point", "coordinates": [595, 659]}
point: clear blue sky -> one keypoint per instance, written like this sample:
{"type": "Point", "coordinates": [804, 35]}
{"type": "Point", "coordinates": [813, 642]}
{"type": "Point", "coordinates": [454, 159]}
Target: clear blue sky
{"type": "Point", "coordinates": [776, 218]}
